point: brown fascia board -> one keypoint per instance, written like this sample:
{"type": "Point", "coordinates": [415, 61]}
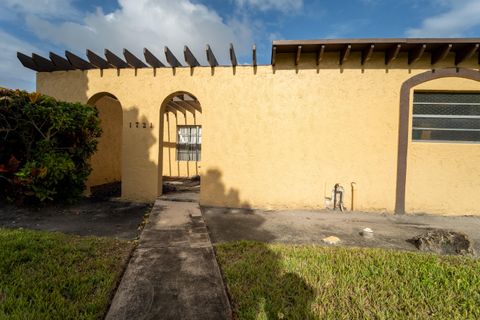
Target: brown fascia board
{"type": "Point", "coordinates": [380, 44]}
{"type": "Point", "coordinates": [376, 41]}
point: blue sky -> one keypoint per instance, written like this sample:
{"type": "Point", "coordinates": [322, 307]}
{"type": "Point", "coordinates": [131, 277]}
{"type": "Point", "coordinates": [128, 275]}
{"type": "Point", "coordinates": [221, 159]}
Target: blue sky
{"type": "Point", "coordinates": [56, 25]}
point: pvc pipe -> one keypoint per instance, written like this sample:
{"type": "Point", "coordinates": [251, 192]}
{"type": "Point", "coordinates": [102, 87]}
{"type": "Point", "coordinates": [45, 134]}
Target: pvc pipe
{"type": "Point", "coordinates": [354, 188]}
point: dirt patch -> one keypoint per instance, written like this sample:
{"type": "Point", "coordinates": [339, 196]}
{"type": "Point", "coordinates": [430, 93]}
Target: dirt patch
{"type": "Point", "coordinates": [88, 216]}
{"type": "Point", "coordinates": [444, 242]}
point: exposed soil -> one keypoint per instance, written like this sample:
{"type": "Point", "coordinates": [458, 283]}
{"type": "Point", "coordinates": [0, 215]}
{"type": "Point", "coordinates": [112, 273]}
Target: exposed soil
{"type": "Point", "coordinates": [443, 242]}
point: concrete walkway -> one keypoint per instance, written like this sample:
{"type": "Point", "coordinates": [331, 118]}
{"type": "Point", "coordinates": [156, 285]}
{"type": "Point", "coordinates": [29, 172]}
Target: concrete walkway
{"type": "Point", "coordinates": [173, 273]}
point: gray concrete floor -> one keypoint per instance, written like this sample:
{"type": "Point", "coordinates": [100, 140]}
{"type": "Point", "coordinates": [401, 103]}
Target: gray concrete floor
{"type": "Point", "coordinates": [390, 231]}
{"type": "Point", "coordinates": [173, 273]}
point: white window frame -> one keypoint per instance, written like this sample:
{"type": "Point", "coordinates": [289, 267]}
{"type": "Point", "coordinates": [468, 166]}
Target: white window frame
{"type": "Point", "coordinates": [189, 142]}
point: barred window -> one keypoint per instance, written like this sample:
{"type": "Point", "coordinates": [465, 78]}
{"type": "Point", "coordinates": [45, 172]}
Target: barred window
{"type": "Point", "coordinates": [189, 143]}
{"type": "Point", "coordinates": [451, 116]}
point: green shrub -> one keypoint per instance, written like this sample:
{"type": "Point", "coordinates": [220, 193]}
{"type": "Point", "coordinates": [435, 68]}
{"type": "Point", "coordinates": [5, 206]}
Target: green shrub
{"type": "Point", "coordinates": [45, 146]}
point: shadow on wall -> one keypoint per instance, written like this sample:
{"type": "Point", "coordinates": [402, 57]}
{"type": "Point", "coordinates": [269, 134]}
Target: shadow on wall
{"type": "Point", "coordinates": [123, 153]}
{"type": "Point", "coordinates": [213, 192]}
{"type": "Point", "coordinates": [139, 172]}
{"type": "Point", "coordinates": [268, 290]}
{"type": "Point", "coordinates": [107, 160]}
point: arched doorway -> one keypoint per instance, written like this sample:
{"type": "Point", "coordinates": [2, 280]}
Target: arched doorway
{"type": "Point", "coordinates": [180, 147]}
{"type": "Point", "coordinates": [431, 180]}
{"type": "Point", "coordinates": [106, 176]}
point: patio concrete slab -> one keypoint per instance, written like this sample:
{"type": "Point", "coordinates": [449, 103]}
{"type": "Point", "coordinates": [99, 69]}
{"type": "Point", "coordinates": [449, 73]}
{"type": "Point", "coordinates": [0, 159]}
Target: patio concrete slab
{"type": "Point", "coordinates": [173, 273]}
{"type": "Point", "coordinates": [305, 227]}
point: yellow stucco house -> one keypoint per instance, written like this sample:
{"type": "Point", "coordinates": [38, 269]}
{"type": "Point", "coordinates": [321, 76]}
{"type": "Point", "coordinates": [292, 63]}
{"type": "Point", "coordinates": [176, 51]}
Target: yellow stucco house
{"type": "Point", "coordinates": [395, 122]}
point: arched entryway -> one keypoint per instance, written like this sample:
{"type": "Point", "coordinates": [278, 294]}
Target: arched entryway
{"type": "Point", "coordinates": [106, 176]}
{"type": "Point", "coordinates": [181, 141]}
{"type": "Point", "coordinates": [454, 149]}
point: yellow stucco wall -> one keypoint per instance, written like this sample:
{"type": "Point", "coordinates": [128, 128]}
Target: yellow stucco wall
{"type": "Point", "coordinates": [272, 137]}
{"type": "Point", "coordinates": [172, 167]}
{"type": "Point", "coordinates": [107, 161]}
{"type": "Point", "coordinates": [442, 177]}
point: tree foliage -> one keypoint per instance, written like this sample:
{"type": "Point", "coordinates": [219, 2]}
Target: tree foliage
{"type": "Point", "coordinates": [45, 146]}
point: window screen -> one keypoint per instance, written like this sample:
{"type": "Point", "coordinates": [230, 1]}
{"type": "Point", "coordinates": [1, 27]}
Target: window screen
{"type": "Point", "coordinates": [446, 116]}
{"type": "Point", "coordinates": [189, 142]}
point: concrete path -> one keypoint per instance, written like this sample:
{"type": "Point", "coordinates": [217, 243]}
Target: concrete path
{"type": "Point", "coordinates": [173, 273]}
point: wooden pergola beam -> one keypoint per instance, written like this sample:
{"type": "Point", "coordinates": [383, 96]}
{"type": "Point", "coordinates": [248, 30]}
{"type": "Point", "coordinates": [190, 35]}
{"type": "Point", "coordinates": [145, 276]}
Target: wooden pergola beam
{"type": "Point", "coordinates": [367, 53]}
{"type": "Point", "coordinates": [97, 61]}
{"type": "Point", "coordinates": [320, 54]}
{"type": "Point", "coordinates": [60, 62]}
{"type": "Point", "coordinates": [177, 107]}
{"type": "Point", "coordinates": [274, 55]}
{"type": "Point", "coordinates": [212, 61]}
{"type": "Point", "coordinates": [194, 104]}
{"type": "Point", "coordinates": [298, 54]}
{"type": "Point", "coordinates": [190, 58]}
{"type": "Point", "coordinates": [186, 97]}
{"type": "Point", "coordinates": [392, 54]}
{"type": "Point", "coordinates": [191, 109]}
{"type": "Point", "coordinates": [43, 64]}
{"type": "Point", "coordinates": [466, 53]}
{"type": "Point", "coordinates": [171, 59]}
{"type": "Point", "coordinates": [345, 53]}
{"type": "Point", "coordinates": [254, 55]}
{"type": "Point", "coordinates": [441, 53]}
{"type": "Point", "coordinates": [77, 62]}
{"type": "Point", "coordinates": [169, 108]}
{"type": "Point", "coordinates": [150, 58]}
{"type": "Point", "coordinates": [233, 57]}
{"type": "Point", "coordinates": [132, 60]}
{"type": "Point", "coordinates": [416, 54]}
{"type": "Point", "coordinates": [188, 101]}
{"type": "Point", "coordinates": [115, 60]}
{"type": "Point", "coordinates": [183, 107]}
{"type": "Point", "coordinates": [27, 61]}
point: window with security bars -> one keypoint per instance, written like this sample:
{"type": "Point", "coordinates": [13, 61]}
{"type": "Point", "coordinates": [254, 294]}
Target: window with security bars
{"type": "Point", "coordinates": [439, 116]}
{"type": "Point", "coordinates": [189, 143]}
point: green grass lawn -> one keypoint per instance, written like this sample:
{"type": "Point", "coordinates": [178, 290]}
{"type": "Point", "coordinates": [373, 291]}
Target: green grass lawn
{"type": "Point", "coordinates": [313, 282]}
{"type": "Point", "coordinates": [45, 275]}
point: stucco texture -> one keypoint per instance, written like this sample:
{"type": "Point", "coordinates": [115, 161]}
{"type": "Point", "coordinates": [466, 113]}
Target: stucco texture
{"type": "Point", "coordinates": [278, 137]}
{"type": "Point", "coordinates": [443, 177]}
{"type": "Point", "coordinates": [107, 161]}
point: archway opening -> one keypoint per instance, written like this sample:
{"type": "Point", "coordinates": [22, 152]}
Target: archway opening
{"type": "Point", "coordinates": [433, 149]}
{"type": "Point", "coordinates": [181, 145]}
{"type": "Point", "coordinates": [106, 176]}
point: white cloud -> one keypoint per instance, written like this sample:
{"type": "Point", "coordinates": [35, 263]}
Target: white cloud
{"type": "Point", "coordinates": [148, 23]}
{"type": "Point", "coordinates": [461, 17]}
{"type": "Point", "coordinates": [42, 8]}
{"type": "Point", "coordinates": [12, 73]}
{"type": "Point", "coordinates": [265, 5]}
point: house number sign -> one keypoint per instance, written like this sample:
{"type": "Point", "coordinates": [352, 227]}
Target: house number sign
{"type": "Point", "coordinates": [142, 125]}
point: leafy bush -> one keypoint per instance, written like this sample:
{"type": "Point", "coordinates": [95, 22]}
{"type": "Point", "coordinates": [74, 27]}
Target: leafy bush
{"type": "Point", "coordinates": [45, 146]}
